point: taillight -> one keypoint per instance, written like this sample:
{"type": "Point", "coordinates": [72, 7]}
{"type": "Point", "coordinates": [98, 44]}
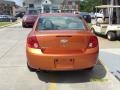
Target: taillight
{"type": "Point", "coordinates": [93, 42]}
{"type": "Point", "coordinates": [32, 42]}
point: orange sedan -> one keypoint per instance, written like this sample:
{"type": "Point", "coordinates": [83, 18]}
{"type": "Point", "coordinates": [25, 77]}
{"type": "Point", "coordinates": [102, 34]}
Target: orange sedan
{"type": "Point", "coordinates": [60, 42]}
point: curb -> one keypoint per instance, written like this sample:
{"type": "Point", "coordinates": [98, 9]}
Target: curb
{"type": "Point", "coordinates": [9, 25]}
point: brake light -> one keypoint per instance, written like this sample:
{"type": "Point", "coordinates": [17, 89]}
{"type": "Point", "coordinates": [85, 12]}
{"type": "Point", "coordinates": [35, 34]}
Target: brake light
{"type": "Point", "coordinates": [32, 42]}
{"type": "Point", "coordinates": [93, 42]}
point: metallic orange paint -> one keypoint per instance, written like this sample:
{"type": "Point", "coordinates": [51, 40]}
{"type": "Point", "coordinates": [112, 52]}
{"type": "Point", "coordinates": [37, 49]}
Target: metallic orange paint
{"type": "Point", "coordinates": [62, 50]}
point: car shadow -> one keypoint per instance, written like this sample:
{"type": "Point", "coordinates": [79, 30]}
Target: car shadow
{"type": "Point", "coordinates": [98, 73]}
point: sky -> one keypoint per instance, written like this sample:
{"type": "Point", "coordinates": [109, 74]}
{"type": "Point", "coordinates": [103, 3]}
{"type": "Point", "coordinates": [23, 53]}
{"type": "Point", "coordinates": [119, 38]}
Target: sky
{"type": "Point", "coordinates": [18, 2]}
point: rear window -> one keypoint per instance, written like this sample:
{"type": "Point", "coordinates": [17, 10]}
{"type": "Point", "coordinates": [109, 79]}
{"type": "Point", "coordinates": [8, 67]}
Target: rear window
{"type": "Point", "coordinates": [60, 23]}
{"type": "Point", "coordinates": [32, 12]}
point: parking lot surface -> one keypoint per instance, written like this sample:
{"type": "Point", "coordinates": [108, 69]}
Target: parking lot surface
{"type": "Point", "coordinates": [14, 74]}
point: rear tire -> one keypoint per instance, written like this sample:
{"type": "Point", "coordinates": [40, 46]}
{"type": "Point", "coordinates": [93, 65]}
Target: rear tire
{"type": "Point", "coordinates": [90, 69]}
{"type": "Point", "coordinates": [118, 35]}
{"type": "Point", "coordinates": [30, 68]}
{"type": "Point", "coordinates": [111, 36]}
{"type": "Point", "coordinates": [11, 20]}
{"type": "Point", "coordinates": [24, 26]}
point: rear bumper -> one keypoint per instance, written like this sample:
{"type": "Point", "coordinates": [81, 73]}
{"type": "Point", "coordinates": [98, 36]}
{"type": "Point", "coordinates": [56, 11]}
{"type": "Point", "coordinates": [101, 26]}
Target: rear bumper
{"type": "Point", "coordinates": [36, 59]}
{"type": "Point", "coordinates": [28, 23]}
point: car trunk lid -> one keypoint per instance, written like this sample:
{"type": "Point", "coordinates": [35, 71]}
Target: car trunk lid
{"type": "Point", "coordinates": [63, 41]}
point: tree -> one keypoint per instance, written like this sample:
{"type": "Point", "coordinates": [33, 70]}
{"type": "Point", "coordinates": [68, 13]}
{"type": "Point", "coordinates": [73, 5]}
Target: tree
{"type": "Point", "coordinates": [89, 5]}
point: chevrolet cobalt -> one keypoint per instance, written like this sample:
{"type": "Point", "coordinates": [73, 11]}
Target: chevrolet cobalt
{"type": "Point", "coordinates": [61, 42]}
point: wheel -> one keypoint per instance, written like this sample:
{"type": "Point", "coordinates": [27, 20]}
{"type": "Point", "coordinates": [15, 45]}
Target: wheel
{"type": "Point", "coordinates": [24, 26]}
{"type": "Point", "coordinates": [118, 35]}
{"type": "Point", "coordinates": [30, 68]}
{"type": "Point", "coordinates": [111, 36]}
{"type": "Point", "coordinates": [90, 68]}
{"type": "Point", "coordinates": [11, 20]}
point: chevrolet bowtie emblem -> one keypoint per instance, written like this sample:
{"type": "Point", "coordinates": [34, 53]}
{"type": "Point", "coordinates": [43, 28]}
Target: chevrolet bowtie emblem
{"type": "Point", "coordinates": [63, 41]}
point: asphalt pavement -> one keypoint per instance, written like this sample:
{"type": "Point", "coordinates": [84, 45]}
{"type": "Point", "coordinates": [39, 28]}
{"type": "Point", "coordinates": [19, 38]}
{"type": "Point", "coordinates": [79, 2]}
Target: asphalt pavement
{"type": "Point", "coordinates": [14, 74]}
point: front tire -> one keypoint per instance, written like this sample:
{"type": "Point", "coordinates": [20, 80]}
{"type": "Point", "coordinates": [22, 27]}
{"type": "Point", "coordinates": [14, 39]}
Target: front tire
{"type": "Point", "coordinates": [111, 36]}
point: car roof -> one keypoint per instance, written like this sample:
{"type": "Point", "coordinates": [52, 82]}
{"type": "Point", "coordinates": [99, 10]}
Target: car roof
{"type": "Point", "coordinates": [83, 13]}
{"type": "Point", "coordinates": [56, 14]}
{"type": "Point", "coordinates": [4, 15]}
{"type": "Point", "coordinates": [108, 6]}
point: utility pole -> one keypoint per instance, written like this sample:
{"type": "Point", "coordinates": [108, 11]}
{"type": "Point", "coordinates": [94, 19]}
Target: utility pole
{"type": "Point", "coordinates": [112, 2]}
{"type": "Point", "coordinates": [117, 12]}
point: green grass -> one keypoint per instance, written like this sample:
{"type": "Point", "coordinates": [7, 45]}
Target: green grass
{"type": "Point", "coordinates": [4, 23]}
{"type": "Point", "coordinates": [90, 25]}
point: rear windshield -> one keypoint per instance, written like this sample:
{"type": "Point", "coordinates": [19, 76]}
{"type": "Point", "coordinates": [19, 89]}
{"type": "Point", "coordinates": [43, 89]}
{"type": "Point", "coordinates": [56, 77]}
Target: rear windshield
{"type": "Point", "coordinates": [32, 12]}
{"type": "Point", "coordinates": [60, 23]}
